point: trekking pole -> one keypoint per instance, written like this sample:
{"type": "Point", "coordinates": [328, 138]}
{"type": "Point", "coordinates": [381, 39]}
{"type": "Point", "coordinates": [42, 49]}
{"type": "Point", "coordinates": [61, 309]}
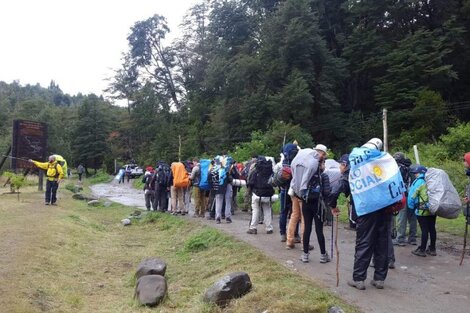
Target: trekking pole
{"type": "Point", "coordinates": [464, 239]}
{"type": "Point", "coordinates": [337, 251]}
{"type": "Point", "coordinates": [332, 236]}
{"type": "Point", "coordinates": [12, 157]}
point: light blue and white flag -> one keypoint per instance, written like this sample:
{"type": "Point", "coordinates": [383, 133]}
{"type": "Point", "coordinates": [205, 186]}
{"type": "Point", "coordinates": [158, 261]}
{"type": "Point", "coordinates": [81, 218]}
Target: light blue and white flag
{"type": "Point", "coordinates": [375, 180]}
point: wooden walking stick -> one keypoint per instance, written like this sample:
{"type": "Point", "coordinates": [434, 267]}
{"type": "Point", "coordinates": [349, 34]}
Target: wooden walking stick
{"type": "Point", "coordinates": [467, 220]}
{"type": "Point", "coordinates": [337, 251]}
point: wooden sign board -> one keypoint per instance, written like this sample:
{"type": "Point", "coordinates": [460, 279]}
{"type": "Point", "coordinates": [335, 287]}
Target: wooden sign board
{"type": "Point", "coordinates": [29, 142]}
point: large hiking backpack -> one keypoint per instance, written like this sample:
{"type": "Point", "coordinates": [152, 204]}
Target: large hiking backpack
{"type": "Point", "coordinates": [204, 167]}
{"type": "Point", "coordinates": [282, 176]}
{"type": "Point", "coordinates": [444, 201]}
{"type": "Point", "coordinates": [180, 175]}
{"type": "Point", "coordinates": [163, 173]}
{"type": "Point", "coordinates": [63, 163]}
{"type": "Point", "coordinates": [259, 180]}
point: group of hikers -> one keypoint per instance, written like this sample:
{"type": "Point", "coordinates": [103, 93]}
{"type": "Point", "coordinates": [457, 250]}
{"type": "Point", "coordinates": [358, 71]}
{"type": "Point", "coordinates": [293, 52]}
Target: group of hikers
{"type": "Point", "coordinates": [377, 187]}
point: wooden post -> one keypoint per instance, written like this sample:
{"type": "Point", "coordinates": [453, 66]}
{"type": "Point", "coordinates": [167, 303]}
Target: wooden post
{"type": "Point", "coordinates": [384, 119]}
{"type": "Point", "coordinates": [5, 156]}
{"type": "Point", "coordinates": [179, 148]}
{"type": "Point", "coordinates": [415, 148]}
{"type": "Point", "coordinates": [41, 180]}
{"type": "Point", "coordinates": [115, 166]}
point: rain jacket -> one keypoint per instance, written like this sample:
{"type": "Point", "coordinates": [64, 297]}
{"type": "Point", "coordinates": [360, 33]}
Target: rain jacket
{"type": "Point", "coordinates": [53, 170]}
{"type": "Point", "coordinates": [418, 197]}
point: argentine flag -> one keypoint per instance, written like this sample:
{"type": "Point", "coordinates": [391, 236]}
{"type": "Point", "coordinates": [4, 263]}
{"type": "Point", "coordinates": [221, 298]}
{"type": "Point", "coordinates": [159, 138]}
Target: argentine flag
{"type": "Point", "coordinates": [375, 180]}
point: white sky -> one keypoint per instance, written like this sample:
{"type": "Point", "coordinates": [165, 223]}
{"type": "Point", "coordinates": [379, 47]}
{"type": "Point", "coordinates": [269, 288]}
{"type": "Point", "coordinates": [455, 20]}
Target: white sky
{"type": "Point", "coordinates": [77, 43]}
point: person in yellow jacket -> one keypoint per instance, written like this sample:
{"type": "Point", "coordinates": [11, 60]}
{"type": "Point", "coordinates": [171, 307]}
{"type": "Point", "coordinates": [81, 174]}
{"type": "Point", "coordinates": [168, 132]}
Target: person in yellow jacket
{"type": "Point", "coordinates": [54, 173]}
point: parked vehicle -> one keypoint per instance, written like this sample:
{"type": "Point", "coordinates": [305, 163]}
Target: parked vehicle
{"type": "Point", "coordinates": [133, 170]}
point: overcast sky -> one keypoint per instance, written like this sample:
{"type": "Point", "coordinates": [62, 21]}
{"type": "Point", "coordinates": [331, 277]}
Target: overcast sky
{"type": "Point", "coordinates": [77, 43]}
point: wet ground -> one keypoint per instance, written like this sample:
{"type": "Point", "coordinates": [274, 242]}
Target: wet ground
{"type": "Point", "coordinates": [416, 285]}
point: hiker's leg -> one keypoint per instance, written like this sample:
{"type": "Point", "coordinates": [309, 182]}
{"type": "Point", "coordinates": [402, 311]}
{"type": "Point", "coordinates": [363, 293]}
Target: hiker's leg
{"type": "Point", "coordinates": [383, 237]}
{"type": "Point", "coordinates": [219, 199]}
{"type": "Point", "coordinates": [48, 191]}
{"type": "Point", "coordinates": [54, 187]}
{"type": "Point", "coordinates": [402, 218]}
{"type": "Point", "coordinates": [294, 219]}
{"type": "Point", "coordinates": [413, 225]}
{"type": "Point", "coordinates": [365, 243]}
{"type": "Point", "coordinates": [268, 217]}
{"type": "Point", "coordinates": [319, 229]}
{"type": "Point", "coordinates": [228, 201]}
{"type": "Point", "coordinates": [285, 202]}
{"type": "Point", "coordinates": [255, 208]}
{"type": "Point", "coordinates": [307, 213]}
{"type": "Point", "coordinates": [432, 232]}
{"type": "Point", "coordinates": [423, 224]}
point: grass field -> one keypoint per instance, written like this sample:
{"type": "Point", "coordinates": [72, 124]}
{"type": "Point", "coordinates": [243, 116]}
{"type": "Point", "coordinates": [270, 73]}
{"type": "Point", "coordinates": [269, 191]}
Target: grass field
{"type": "Point", "coordinates": [75, 258]}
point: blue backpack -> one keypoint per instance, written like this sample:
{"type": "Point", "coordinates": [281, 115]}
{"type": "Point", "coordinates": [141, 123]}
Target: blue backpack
{"type": "Point", "coordinates": [204, 168]}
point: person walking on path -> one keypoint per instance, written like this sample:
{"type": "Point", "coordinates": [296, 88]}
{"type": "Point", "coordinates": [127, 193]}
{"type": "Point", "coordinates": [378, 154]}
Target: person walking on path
{"type": "Point", "coordinates": [407, 215]}
{"type": "Point", "coordinates": [149, 188]}
{"type": "Point", "coordinates": [318, 187]}
{"type": "Point", "coordinates": [419, 201]}
{"type": "Point", "coordinates": [262, 193]}
{"type": "Point", "coordinates": [54, 174]}
{"type": "Point", "coordinates": [80, 170]}
{"type": "Point", "coordinates": [199, 195]}
{"type": "Point", "coordinates": [373, 230]}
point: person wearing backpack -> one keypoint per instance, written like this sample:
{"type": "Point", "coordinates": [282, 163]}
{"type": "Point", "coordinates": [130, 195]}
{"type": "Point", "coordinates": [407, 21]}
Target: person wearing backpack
{"type": "Point", "coordinates": [312, 186]}
{"type": "Point", "coordinates": [282, 169]}
{"type": "Point", "coordinates": [162, 180]}
{"type": "Point", "coordinates": [248, 192]}
{"type": "Point", "coordinates": [419, 201]}
{"type": "Point", "coordinates": [199, 195]}
{"type": "Point", "coordinates": [149, 188]}
{"type": "Point", "coordinates": [180, 183]}
{"type": "Point", "coordinates": [262, 193]}
{"type": "Point", "coordinates": [54, 174]}
{"type": "Point", "coordinates": [221, 187]}
{"type": "Point", "coordinates": [407, 215]}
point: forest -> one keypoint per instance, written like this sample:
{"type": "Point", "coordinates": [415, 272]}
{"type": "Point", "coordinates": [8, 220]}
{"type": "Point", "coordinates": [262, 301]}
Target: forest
{"type": "Point", "coordinates": [244, 76]}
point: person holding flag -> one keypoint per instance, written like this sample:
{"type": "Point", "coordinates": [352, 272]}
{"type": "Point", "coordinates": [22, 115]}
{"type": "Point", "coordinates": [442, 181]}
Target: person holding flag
{"type": "Point", "coordinates": [376, 186]}
{"type": "Point", "coordinates": [54, 174]}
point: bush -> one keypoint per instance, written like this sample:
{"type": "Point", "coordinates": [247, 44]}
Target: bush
{"type": "Point", "coordinates": [203, 240]}
{"type": "Point", "coordinates": [100, 177]}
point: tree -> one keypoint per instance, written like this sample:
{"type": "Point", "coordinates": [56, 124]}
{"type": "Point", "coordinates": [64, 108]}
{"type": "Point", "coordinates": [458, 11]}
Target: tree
{"type": "Point", "coordinates": [89, 142]}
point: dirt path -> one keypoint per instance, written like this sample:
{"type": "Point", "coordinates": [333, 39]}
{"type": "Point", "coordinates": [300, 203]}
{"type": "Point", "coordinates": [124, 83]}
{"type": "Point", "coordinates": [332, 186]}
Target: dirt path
{"type": "Point", "coordinates": [416, 285]}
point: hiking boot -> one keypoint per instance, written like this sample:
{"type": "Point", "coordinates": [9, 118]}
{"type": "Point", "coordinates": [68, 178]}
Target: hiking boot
{"type": "Point", "coordinates": [269, 232]}
{"type": "Point", "coordinates": [217, 220]}
{"type": "Point", "coordinates": [325, 258]}
{"type": "Point", "coordinates": [228, 220]}
{"type": "Point", "coordinates": [391, 264]}
{"type": "Point", "coordinates": [290, 247]}
{"type": "Point", "coordinates": [297, 239]}
{"type": "Point", "coordinates": [47, 203]}
{"type": "Point", "coordinates": [431, 252]}
{"type": "Point", "coordinates": [304, 257]}
{"type": "Point", "coordinates": [283, 238]}
{"type": "Point", "coordinates": [357, 284]}
{"type": "Point", "coordinates": [54, 203]}
{"type": "Point", "coordinates": [413, 243]}
{"type": "Point", "coordinates": [379, 284]}
{"type": "Point", "coordinates": [183, 213]}
{"type": "Point", "coordinates": [252, 231]}
{"type": "Point", "coordinates": [419, 252]}
{"type": "Point", "coordinates": [398, 243]}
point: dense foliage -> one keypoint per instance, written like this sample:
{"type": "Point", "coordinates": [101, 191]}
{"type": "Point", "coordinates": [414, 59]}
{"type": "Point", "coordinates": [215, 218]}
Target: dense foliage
{"type": "Point", "coordinates": [245, 76]}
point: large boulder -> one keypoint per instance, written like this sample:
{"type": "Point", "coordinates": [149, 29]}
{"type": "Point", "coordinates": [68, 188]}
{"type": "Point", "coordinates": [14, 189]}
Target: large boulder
{"type": "Point", "coordinates": [232, 286]}
{"type": "Point", "coordinates": [79, 196]}
{"type": "Point", "coordinates": [151, 266]}
{"type": "Point", "coordinates": [150, 289]}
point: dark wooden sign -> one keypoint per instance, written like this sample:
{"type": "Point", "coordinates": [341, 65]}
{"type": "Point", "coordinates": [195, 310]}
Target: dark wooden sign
{"type": "Point", "coordinates": [29, 142]}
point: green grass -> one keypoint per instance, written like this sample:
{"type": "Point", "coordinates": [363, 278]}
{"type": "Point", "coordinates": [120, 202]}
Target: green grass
{"type": "Point", "coordinates": [81, 259]}
{"type": "Point", "coordinates": [99, 177]}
